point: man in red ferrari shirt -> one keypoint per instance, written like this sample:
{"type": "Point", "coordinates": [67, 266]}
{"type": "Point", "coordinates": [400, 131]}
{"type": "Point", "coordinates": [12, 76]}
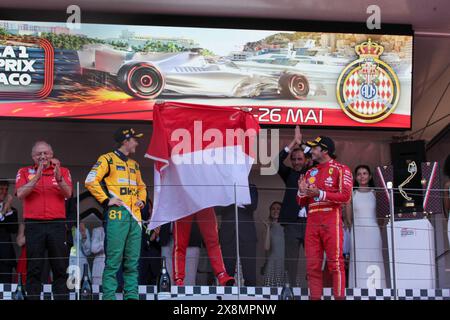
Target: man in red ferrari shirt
{"type": "Point", "coordinates": [324, 189]}
{"type": "Point", "coordinates": [43, 188]}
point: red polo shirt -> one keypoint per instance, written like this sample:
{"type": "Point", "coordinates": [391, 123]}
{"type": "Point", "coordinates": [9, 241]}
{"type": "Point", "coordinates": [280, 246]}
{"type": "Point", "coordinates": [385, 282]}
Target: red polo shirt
{"type": "Point", "coordinates": [46, 201]}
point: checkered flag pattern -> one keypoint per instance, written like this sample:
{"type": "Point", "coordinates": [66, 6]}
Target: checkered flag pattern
{"type": "Point", "coordinates": [252, 293]}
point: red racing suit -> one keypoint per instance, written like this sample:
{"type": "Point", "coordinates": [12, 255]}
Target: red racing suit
{"type": "Point", "coordinates": [207, 223]}
{"type": "Point", "coordinates": [324, 230]}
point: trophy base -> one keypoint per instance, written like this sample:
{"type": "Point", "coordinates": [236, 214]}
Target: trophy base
{"type": "Point", "coordinates": [409, 204]}
{"type": "Point", "coordinates": [409, 212]}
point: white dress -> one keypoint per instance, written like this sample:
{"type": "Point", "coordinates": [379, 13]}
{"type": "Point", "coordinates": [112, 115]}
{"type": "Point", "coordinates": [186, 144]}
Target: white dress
{"type": "Point", "coordinates": [366, 258]}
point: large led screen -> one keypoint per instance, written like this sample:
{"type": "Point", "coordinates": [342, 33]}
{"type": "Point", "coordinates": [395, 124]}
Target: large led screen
{"type": "Point", "coordinates": [110, 72]}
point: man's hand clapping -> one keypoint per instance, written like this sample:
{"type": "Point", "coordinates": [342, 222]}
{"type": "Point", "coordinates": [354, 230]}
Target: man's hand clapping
{"type": "Point", "coordinates": [302, 185]}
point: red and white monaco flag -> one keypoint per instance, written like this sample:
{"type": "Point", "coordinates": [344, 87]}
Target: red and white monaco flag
{"type": "Point", "coordinates": [203, 156]}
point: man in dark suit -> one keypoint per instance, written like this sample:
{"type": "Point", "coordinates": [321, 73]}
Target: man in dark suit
{"type": "Point", "coordinates": [292, 216]}
{"type": "Point", "coordinates": [150, 260]}
{"type": "Point", "coordinates": [247, 238]}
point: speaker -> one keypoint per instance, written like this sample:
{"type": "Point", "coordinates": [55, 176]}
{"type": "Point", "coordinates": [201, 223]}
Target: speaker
{"type": "Point", "coordinates": [410, 150]}
{"type": "Point", "coordinates": [407, 158]}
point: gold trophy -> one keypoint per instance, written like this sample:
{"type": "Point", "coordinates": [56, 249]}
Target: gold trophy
{"type": "Point", "coordinates": [412, 169]}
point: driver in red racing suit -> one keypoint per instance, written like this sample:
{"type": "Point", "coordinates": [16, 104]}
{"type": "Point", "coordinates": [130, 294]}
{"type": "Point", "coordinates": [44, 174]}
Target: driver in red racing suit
{"type": "Point", "coordinates": [206, 220]}
{"type": "Point", "coordinates": [324, 189]}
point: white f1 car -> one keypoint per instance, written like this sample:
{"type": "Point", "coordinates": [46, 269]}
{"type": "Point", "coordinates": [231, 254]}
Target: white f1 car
{"type": "Point", "coordinates": [147, 75]}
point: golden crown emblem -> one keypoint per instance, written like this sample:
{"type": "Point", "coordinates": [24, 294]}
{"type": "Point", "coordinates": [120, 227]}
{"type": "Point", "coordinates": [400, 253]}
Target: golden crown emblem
{"type": "Point", "coordinates": [369, 49]}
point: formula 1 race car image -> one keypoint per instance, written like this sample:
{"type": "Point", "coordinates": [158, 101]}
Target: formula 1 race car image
{"type": "Point", "coordinates": [148, 75]}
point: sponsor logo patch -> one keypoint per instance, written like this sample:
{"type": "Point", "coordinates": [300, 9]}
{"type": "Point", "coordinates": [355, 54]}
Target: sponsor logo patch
{"type": "Point", "coordinates": [120, 168]}
{"type": "Point", "coordinates": [329, 182]}
{"type": "Point", "coordinates": [407, 232]}
{"type": "Point", "coordinates": [96, 165]}
{"type": "Point", "coordinates": [91, 177]}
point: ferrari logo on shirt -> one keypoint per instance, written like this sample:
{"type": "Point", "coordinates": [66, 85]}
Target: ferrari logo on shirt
{"type": "Point", "coordinates": [330, 171]}
{"type": "Point", "coordinates": [311, 180]}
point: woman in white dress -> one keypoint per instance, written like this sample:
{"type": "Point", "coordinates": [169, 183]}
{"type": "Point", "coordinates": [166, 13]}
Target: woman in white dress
{"type": "Point", "coordinates": [273, 269]}
{"type": "Point", "coordinates": [366, 258]}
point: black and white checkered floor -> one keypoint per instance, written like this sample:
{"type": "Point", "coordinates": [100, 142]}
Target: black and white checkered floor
{"type": "Point", "coordinates": [254, 293]}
